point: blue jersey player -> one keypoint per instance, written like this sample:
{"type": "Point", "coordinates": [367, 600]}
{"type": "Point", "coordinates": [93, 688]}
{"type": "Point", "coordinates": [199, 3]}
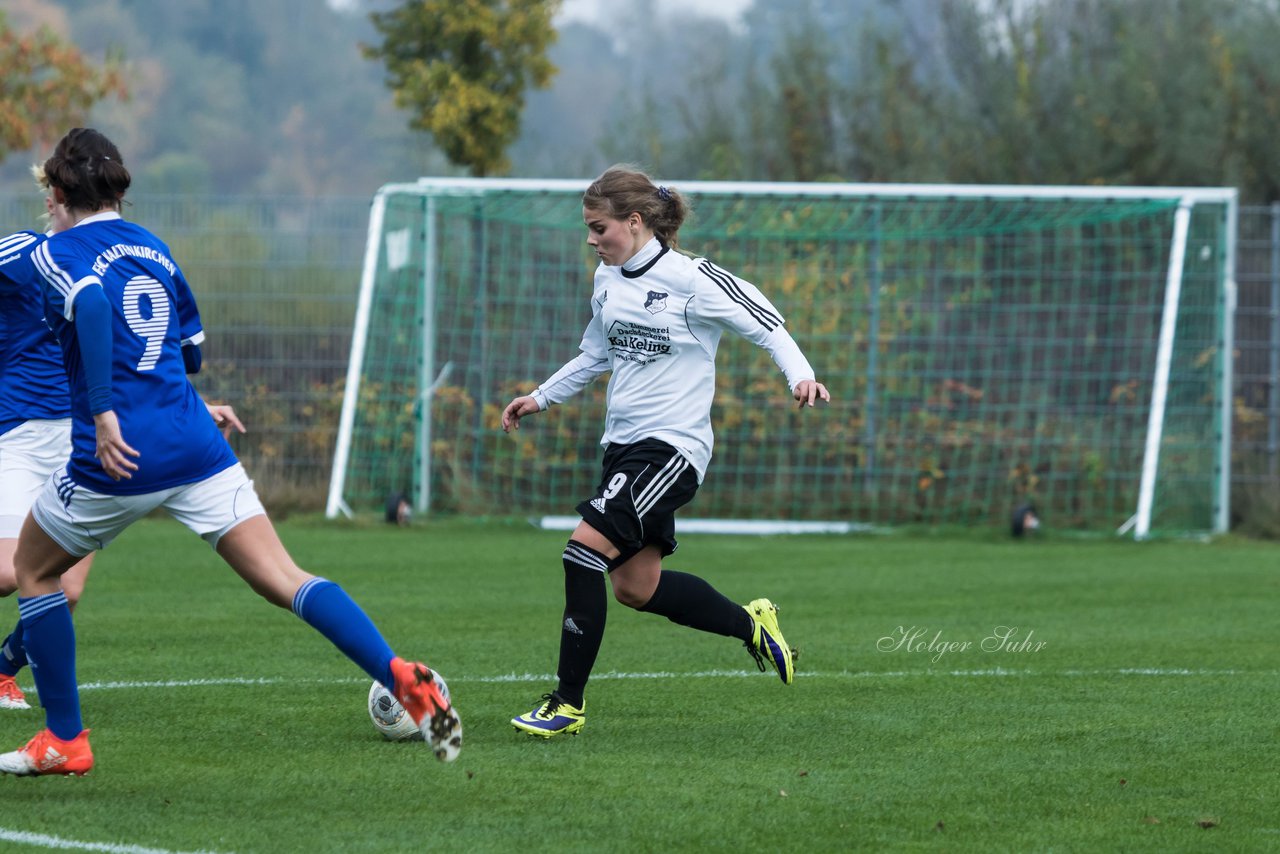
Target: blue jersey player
{"type": "Point", "coordinates": [130, 333]}
{"type": "Point", "coordinates": [35, 423]}
{"type": "Point", "coordinates": [35, 426]}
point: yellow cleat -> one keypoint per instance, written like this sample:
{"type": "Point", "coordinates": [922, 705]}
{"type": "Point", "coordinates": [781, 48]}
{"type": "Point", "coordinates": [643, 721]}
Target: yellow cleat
{"type": "Point", "coordinates": [553, 717]}
{"type": "Point", "coordinates": [767, 643]}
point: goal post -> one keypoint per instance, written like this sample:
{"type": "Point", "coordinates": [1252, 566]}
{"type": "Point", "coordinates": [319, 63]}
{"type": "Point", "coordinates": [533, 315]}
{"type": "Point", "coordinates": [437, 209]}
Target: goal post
{"type": "Point", "coordinates": [985, 346]}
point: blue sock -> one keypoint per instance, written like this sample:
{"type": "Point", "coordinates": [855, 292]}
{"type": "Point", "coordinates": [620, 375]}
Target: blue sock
{"type": "Point", "coordinates": [13, 653]}
{"type": "Point", "coordinates": [51, 651]}
{"type": "Point", "coordinates": [330, 611]}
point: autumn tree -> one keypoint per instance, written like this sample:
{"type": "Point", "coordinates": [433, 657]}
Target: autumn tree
{"type": "Point", "coordinates": [47, 86]}
{"type": "Point", "coordinates": [461, 67]}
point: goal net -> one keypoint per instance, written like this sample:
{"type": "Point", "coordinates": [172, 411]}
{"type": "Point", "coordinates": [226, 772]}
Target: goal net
{"type": "Point", "coordinates": [985, 347]}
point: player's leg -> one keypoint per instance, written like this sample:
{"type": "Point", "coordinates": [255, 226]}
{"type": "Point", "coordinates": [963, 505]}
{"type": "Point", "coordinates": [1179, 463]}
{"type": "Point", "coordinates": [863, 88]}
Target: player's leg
{"type": "Point", "coordinates": [75, 579]}
{"type": "Point", "coordinates": [63, 746]}
{"type": "Point", "coordinates": [609, 526]}
{"type": "Point", "coordinates": [13, 652]}
{"type": "Point", "coordinates": [585, 559]}
{"type": "Point", "coordinates": [13, 655]}
{"type": "Point", "coordinates": [253, 549]}
{"type": "Point", "coordinates": [643, 511]}
{"type": "Point", "coordinates": [66, 524]}
{"type": "Point", "coordinates": [8, 545]}
{"type": "Point", "coordinates": [29, 453]}
{"type": "Point", "coordinates": [689, 600]}
{"type": "Point", "coordinates": [640, 582]}
{"type": "Point", "coordinates": [226, 512]}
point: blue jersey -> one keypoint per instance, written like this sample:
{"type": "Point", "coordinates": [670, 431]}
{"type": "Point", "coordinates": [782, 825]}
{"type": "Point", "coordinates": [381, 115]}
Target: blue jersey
{"type": "Point", "coordinates": [152, 315]}
{"type": "Point", "coordinates": [33, 383]}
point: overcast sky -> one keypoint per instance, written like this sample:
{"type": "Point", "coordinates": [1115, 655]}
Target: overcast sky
{"type": "Point", "coordinates": [594, 10]}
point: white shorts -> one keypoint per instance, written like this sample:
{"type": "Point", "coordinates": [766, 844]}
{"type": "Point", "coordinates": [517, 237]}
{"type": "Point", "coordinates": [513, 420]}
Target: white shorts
{"type": "Point", "coordinates": [81, 520]}
{"type": "Point", "coordinates": [29, 454]}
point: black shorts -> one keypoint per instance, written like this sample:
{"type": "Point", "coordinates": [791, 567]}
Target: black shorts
{"type": "Point", "coordinates": [641, 488]}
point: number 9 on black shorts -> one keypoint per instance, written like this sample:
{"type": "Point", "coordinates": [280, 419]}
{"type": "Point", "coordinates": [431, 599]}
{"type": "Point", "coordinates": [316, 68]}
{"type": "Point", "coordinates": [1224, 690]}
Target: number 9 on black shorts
{"type": "Point", "coordinates": [641, 488]}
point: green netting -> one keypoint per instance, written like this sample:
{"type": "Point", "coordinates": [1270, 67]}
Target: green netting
{"type": "Point", "coordinates": [979, 351]}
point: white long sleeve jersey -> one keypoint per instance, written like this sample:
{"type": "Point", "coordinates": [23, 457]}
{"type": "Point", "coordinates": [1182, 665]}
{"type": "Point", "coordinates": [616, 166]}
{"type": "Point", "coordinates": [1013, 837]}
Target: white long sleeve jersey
{"type": "Point", "coordinates": [656, 323]}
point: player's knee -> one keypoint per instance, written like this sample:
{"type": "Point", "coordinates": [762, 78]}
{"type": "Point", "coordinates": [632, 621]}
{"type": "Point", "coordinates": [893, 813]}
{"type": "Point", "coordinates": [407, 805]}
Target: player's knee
{"type": "Point", "coordinates": [631, 589]}
{"type": "Point", "coordinates": [630, 595]}
{"type": "Point", "coordinates": [278, 592]}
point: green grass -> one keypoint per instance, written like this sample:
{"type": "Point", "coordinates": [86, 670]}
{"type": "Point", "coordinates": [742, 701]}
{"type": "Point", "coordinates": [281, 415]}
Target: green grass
{"type": "Point", "coordinates": [1148, 710]}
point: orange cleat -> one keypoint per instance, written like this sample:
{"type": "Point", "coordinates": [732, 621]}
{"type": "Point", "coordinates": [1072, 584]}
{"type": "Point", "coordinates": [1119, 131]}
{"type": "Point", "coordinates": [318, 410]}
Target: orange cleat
{"type": "Point", "coordinates": [11, 696]}
{"type": "Point", "coordinates": [419, 692]}
{"type": "Point", "coordinates": [48, 754]}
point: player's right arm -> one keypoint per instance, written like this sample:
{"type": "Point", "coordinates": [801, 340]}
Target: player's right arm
{"type": "Point", "coordinates": [592, 361]}
{"type": "Point", "coordinates": [517, 409]}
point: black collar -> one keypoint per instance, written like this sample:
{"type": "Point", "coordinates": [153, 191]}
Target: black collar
{"type": "Point", "coordinates": [637, 273]}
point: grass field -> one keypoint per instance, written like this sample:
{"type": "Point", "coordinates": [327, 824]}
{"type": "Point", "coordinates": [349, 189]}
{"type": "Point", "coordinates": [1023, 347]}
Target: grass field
{"type": "Point", "coordinates": [1131, 708]}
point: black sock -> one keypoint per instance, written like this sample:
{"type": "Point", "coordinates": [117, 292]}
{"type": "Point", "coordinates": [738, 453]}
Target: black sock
{"type": "Point", "coordinates": [690, 601]}
{"type": "Point", "coordinates": [586, 604]}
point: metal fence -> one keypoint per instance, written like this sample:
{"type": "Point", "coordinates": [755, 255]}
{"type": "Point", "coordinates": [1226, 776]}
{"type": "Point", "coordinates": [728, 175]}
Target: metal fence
{"type": "Point", "coordinates": [1256, 427]}
{"type": "Point", "coordinates": [276, 280]}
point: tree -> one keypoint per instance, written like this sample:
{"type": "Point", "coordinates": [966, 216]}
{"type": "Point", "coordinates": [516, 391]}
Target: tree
{"type": "Point", "coordinates": [1139, 92]}
{"type": "Point", "coordinates": [1104, 92]}
{"type": "Point", "coordinates": [47, 86]}
{"type": "Point", "coordinates": [462, 68]}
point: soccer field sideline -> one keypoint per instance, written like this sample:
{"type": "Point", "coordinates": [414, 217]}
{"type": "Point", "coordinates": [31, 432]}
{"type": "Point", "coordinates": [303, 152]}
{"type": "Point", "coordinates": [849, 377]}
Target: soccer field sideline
{"type": "Point", "coordinates": [538, 678]}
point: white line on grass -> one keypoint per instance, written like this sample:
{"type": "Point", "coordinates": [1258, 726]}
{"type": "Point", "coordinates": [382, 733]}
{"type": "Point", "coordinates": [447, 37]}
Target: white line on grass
{"type": "Point", "coordinates": [521, 678]}
{"type": "Point", "coordinates": [40, 840]}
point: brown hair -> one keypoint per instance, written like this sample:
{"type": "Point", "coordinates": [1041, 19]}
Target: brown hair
{"type": "Point", "coordinates": [88, 169]}
{"type": "Point", "coordinates": [623, 190]}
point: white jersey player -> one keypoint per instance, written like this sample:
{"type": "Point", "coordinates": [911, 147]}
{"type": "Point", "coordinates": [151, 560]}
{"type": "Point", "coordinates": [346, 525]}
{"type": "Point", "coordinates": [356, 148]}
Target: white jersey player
{"type": "Point", "coordinates": [656, 320]}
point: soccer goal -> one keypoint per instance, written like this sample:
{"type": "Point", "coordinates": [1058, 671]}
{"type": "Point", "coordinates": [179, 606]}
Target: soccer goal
{"type": "Point", "coordinates": [984, 346]}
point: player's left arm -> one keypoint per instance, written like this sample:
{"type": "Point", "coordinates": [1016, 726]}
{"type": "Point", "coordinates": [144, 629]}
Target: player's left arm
{"type": "Point", "coordinates": [738, 305]}
{"type": "Point", "coordinates": [75, 293]}
{"type": "Point", "coordinates": [91, 315]}
{"type": "Point", "coordinates": [787, 355]}
{"type": "Point", "coordinates": [225, 417]}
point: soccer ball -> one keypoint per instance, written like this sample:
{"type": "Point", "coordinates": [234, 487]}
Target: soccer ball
{"type": "Point", "coordinates": [390, 718]}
